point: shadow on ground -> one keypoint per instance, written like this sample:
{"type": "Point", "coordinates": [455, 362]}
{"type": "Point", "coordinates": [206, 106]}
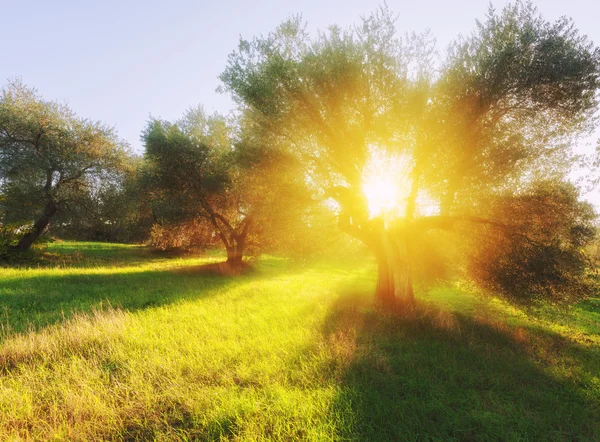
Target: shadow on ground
{"type": "Point", "coordinates": [34, 301]}
{"type": "Point", "coordinates": [85, 255]}
{"type": "Point", "coordinates": [424, 374]}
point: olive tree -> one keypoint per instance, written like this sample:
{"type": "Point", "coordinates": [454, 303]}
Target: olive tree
{"type": "Point", "coordinates": [499, 114]}
{"type": "Point", "coordinates": [50, 161]}
{"type": "Point", "coordinates": [212, 180]}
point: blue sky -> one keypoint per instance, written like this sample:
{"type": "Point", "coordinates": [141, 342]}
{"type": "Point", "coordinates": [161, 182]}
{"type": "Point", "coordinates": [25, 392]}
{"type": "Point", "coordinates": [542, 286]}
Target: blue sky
{"type": "Point", "coordinates": [121, 61]}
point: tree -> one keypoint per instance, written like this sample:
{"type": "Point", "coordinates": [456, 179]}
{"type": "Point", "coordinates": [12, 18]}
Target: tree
{"type": "Point", "coordinates": [501, 113]}
{"type": "Point", "coordinates": [50, 160]}
{"type": "Point", "coordinates": [210, 179]}
{"type": "Point", "coordinates": [117, 211]}
{"type": "Point", "coordinates": [189, 174]}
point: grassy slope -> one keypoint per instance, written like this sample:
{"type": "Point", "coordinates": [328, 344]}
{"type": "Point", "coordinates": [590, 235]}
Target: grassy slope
{"type": "Point", "coordinates": [283, 353]}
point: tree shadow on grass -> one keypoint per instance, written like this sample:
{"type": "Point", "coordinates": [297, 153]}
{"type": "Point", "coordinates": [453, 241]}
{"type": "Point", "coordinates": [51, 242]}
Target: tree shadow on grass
{"type": "Point", "coordinates": [216, 269]}
{"type": "Point", "coordinates": [425, 374]}
{"type": "Point", "coordinates": [34, 301]}
{"type": "Point", "coordinates": [73, 254]}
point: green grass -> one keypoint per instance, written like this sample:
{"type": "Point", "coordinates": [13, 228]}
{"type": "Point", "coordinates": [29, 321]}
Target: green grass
{"type": "Point", "coordinates": [111, 342]}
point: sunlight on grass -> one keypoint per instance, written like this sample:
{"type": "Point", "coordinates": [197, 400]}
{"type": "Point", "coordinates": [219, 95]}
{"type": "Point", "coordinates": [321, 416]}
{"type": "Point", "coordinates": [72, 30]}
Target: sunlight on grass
{"type": "Point", "coordinates": [282, 353]}
{"type": "Point", "coordinates": [221, 359]}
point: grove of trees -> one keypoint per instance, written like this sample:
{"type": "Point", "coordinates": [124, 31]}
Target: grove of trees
{"type": "Point", "coordinates": [478, 143]}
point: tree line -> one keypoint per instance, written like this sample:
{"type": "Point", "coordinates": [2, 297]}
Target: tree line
{"type": "Point", "coordinates": [487, 135]}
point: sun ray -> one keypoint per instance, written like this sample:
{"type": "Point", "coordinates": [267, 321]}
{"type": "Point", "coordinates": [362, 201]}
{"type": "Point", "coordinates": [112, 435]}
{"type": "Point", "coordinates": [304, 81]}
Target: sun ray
{"type": "Point", "coordinates": [387, 184]}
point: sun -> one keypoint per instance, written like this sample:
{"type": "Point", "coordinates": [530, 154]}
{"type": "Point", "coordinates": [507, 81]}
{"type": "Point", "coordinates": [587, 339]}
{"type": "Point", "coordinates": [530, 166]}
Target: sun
{"type": "Point", "coordinates": [382, 195]}
{"type": "Point", "coordinates": [386, 184]}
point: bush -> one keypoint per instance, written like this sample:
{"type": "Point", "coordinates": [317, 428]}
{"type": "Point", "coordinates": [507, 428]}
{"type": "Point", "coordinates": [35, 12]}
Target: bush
{"type": "Point", "coordinates": [186, 237]}
{"type": "Point", "coordinates": [540, 254]}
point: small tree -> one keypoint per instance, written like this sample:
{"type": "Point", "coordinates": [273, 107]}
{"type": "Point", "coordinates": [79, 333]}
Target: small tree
{"type": "Point", "coordinates": [191, 175]}
{"type": "Point", "coordinates": [210, 180]}
{"type": "Point", "coordinates": [50, 160]}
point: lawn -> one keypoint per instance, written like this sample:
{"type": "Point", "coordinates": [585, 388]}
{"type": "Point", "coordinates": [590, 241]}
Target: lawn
{"type": "Point", "coordinates": [113, 342]}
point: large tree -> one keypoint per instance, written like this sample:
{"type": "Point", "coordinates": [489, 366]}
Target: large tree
{"type": "Point", "coordinates": [500, 114]}
{"type": "Point", "coordinates": [50, 160]}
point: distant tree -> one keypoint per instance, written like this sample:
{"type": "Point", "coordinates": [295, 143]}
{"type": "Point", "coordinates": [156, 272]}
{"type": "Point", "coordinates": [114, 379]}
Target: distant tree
{"type": "Point", "coordinates": [212, 181]}
{"type": "Point", "coordinates": [51, 161]}
{"type": "Point", "coordinates": [117, 211]}
{"type": "Point", "coordinates": [501, 114]}
{"type": "Point", "coordinates": [189, 175]}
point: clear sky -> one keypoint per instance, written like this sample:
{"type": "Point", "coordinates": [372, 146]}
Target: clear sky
{"type": "Point", "coordinates": [120, 61]}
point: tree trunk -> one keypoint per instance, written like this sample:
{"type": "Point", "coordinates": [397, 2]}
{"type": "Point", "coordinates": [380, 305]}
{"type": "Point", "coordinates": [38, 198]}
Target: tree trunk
{"type": "Point", "coordinates": [38, 228]}
{"type": "Point", "coordinates": [230, 254]}
{"type": "Point", "coordinates": [391, 248]}
{"type": "Point", "coordinates": [385, 292]}
{"type": "Point", "coordinates": [239, 250]}
{"type": "Point", "coordinates": [235, 252]}
{"type": "Point", "coordinates": [394, 280]}
{"type": "Point", "coordinates": [409, 294]}
{"type": "Point", "coordinates": [234, 257]}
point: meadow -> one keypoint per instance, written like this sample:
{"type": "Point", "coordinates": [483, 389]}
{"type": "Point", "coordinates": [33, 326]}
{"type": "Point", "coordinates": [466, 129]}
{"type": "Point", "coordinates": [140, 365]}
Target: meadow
{"type": "Point", "coordinates": [112, 342]}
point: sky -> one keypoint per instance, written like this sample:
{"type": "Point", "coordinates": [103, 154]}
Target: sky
{"type": "Point", "coordinates": [122, 61]}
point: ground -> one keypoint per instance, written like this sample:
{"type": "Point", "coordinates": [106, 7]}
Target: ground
{"type": "Point", "coordinates": [113, 342]}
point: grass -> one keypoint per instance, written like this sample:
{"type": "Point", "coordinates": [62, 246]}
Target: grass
{"type": "Point", "coordinates": [110, 342]}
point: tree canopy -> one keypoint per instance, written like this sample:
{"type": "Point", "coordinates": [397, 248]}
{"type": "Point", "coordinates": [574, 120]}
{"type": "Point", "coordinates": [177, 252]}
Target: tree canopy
{"type": "Point", "coordinates": [209, 181]}
{"type": "Point", "coordinates": [496, 117]}
{"type": "Point", "coordinates": [50, 161]}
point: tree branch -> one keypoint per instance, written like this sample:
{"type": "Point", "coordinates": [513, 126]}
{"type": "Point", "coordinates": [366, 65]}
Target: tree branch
{"type": "Point", "coordinates": [446, 222]}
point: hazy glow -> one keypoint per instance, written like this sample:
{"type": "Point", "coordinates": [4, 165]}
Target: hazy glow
{"type": "Point", "coordinates": [382, 194]}
{"type": "Point", "coordinates": [426, 205]}
{"type": "Point", "coordinates": [386, 185]}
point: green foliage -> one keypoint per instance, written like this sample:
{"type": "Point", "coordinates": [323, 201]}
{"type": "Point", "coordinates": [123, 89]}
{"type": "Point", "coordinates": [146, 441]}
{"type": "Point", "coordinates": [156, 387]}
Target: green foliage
{"type": "Point", "coordinates": [116, 211]}
{"type": "Point", "coordinates": [50, 160]}
{"type": "Point", "coordinates": [8, 235]}
{"type": "Point", "coordinates": [190, 176]}
{"type": "Point", "coordinates": [540, 254]}
{"type": "Point", "coordinates": [516, 93]}
{"type": "Point", "coordinates": [516, 55]}
{"type": "Point", "coordinates": [184, 162]}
